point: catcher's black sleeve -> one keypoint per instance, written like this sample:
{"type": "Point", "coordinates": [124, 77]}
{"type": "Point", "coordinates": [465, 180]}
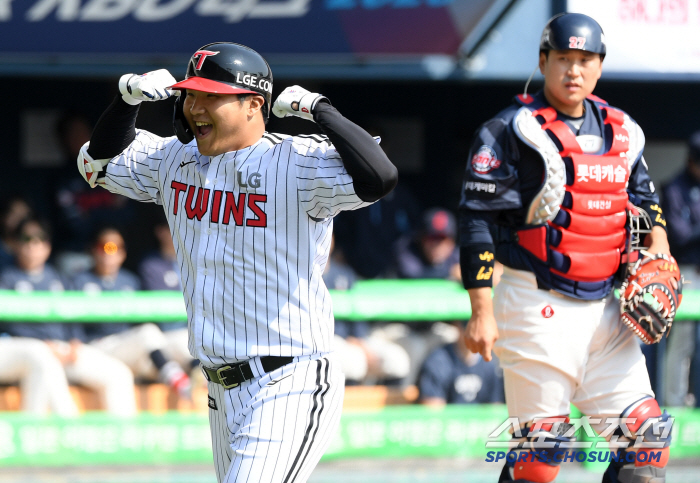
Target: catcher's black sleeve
{"type": "Point", "coordinates": [643, 194]}
{"type": "Point", "coordinates": [114, 131]}
{"type": "Point", "coordinates": [373, 175]}
{"type": "Point", "coordinates": [477, 249]}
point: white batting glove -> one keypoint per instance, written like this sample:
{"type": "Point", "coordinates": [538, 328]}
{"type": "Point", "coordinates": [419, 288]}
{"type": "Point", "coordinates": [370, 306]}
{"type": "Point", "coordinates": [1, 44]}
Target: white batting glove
{"type": "Point", "coordinates": [90, 169]}
{"type": "Point", "coordinates": [296, 101]}
{"type": "Point", "coordinates": [152, 86]}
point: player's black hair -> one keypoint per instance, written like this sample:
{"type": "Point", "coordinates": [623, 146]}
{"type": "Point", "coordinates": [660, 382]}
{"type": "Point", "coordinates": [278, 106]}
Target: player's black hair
{"type": "Point", "coordinates": [6, 204]}
{"type": "Point", "coordinates": [43, 224]}
{"type": "Point", "coordinates": [100, 231]}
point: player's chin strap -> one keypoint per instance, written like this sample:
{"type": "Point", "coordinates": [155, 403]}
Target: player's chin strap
{"type": "Point", "coordinates": [90, 168]}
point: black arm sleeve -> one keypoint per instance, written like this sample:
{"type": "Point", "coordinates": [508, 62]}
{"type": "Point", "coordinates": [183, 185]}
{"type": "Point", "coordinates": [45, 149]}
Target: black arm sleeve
{"type": "Point", "coordinates": [477, 248]}
{"type": "Point", "coordinates": [655, 212]}
{"type": "Point", "coordinates": [114, 131]}
{"type": "Point", "coordinates": [373, 175]}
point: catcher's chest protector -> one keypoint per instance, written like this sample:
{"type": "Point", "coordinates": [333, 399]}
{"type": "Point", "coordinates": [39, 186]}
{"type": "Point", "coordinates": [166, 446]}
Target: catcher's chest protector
{"type": "Point", "coordinates": [586, 234]}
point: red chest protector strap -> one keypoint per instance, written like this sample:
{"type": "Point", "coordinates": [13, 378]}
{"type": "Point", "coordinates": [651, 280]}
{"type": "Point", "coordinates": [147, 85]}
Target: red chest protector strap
{"type": "Point", "coordinates": [621, 140]}
{"type": "Point", "coordinates": [561, 131]}
{"type": "Point", "coordinates": [613, 118]}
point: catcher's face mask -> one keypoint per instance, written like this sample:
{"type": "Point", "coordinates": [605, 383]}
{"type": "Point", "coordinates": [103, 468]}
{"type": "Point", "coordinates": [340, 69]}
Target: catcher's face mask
{"type": "Point", "coordinates": [639, 226]}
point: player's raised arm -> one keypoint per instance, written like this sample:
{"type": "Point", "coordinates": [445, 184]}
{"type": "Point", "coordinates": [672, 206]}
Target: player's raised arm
{"type": "Point", "coordinates": [373, 174]}
{"type": "Point", "coordinates": [116, 128]}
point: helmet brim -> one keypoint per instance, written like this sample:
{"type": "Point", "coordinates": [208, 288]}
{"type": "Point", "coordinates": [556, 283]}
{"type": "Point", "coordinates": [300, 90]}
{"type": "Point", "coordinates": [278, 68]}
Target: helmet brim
{"type": "Point", "coordinates": [208, 85]}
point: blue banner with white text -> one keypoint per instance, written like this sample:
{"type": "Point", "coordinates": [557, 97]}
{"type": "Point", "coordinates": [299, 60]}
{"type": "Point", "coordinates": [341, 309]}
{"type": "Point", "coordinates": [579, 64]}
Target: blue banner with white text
{"type": "Point", "coordinates": [172, 27]}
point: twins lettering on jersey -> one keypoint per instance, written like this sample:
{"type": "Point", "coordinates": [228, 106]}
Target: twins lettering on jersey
{"type": "Point", "coordinates": [224, 204]}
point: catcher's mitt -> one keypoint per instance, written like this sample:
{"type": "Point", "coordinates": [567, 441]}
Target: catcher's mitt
{"type": "Point", "coordinates": [648, 299]}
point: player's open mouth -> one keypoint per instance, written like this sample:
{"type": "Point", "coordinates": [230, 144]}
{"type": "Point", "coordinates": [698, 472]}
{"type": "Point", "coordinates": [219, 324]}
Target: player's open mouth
{"type": "Point", "coordinates": [203, 128]}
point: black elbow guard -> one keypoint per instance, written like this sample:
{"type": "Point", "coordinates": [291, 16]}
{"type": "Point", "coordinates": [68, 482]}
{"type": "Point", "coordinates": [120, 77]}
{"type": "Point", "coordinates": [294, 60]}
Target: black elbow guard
{"type": "Point", "coordinates": [383, 185]}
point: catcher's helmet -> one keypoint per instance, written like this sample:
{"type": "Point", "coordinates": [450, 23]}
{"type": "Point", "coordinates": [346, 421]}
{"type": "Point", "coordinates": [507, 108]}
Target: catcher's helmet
{"type": "Point", "coordinates": [573, 31]}
{"type": "Point", "coordinates": [223, 68]}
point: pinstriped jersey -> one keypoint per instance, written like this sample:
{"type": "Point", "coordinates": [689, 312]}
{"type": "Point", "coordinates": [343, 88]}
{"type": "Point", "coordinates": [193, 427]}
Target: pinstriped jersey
{"type": "Point", "coordinates": [252, 231]}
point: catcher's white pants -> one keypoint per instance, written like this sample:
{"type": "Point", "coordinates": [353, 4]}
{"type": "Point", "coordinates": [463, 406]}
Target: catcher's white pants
{"type": "Point", "coordinates": [582, 354]}
{"type": "Point", "coordinates": [275, 427]}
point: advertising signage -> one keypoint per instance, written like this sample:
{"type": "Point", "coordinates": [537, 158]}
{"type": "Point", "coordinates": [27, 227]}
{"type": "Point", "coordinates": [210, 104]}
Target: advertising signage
{"type": "Point", "coordinates": [297, 27]}
{"type": "Point", "coordinates": [647, 39]}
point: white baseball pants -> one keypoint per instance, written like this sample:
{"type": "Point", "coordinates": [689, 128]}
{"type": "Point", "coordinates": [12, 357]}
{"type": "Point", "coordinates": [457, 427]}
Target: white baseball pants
{"type": "Point", "coordinates": [275, 427]}
{"type": "Point", "coordinates": [575, 351]}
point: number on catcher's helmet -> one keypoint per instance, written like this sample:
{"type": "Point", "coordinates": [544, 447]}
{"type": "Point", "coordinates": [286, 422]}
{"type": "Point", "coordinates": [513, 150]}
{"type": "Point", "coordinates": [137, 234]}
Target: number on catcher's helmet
{"type": "Point", "coordinates": [573, 31]}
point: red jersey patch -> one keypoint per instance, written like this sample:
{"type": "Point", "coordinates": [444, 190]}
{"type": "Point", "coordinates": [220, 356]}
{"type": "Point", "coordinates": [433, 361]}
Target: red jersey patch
{"type": "Point", "coordinates": [484, 161]}
{"type": "Point", "coordinates": [547, 312]}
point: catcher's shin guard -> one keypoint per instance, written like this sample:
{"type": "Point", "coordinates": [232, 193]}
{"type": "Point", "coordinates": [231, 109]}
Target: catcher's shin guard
{"type": "Point", "coordinates": [541, 454]}
{"type": "Point", "coordinates": [644, 461]}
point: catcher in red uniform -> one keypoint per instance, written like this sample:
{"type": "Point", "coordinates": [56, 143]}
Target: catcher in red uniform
{"type": "Point", "coordinates": [548, 188]}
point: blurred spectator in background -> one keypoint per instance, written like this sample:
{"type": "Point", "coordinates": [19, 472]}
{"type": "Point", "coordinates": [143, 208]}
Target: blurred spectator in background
{"type": "Point", "coordinates": [364, 357]}
{"type": "Point", "coordinates": [681, 205]}
{"type": "Point", "coordinates": [53, 352]}
{"type": "Point", "coordinates": [77, 207]}
{"type": "Point", "coordinates": [159, 271]}
{"type": "Point", "coordinates": [366, 236]}
{"type": "Point", "coordinates": [432, 252]}
{"type": "Point", "coordinates": [142, 347]}
{"type": "Point", "coordinates": [428, 253]}
{"type": "Point", "coordinates": [452, 374]}
{"type": "Point", "coordinates": [13, 209]}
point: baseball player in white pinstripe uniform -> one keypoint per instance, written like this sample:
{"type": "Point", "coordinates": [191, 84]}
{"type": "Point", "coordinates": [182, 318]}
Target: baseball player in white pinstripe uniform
{"type": "Point", "coordinates": [251, 215]}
